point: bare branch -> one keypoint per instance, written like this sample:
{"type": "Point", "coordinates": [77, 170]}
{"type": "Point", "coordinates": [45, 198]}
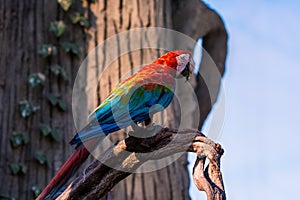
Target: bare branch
{"type": "Point", "coordinates": [129, 154]}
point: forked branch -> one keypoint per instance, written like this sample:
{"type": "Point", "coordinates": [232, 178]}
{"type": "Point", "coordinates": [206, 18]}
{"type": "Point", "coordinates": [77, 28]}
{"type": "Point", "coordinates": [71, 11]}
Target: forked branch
{"type": "Point", "coordinates": [119, 161]}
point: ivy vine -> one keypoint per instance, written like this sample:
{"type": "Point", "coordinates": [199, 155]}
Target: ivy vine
{"type": "Point", "coordinates": [18, 168]}
{"type": "Point", "coordinates": [18, 139]}
{"type": "Point", "coordinates": [38, 80]}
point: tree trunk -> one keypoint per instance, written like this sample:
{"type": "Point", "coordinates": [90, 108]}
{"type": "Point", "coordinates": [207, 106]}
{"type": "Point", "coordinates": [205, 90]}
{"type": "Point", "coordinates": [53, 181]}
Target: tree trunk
{"type": "Point", "coordinates": [113, 17]}
{"type": "Point", "coordinates": [196, 20]}
{"type": "Point", "coordinates": [24, 27]}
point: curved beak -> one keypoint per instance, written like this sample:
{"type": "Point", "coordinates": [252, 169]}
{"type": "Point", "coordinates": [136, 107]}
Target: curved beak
{"type": "Point", "coordinates": [189, 69]}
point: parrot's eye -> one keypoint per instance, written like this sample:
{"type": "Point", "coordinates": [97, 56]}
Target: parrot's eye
{"type": "Point", "coordinates": [186, 71]}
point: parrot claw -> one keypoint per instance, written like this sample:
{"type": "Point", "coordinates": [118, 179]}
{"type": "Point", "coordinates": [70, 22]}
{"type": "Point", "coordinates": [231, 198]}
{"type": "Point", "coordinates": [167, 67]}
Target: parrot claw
{"type": "Point", "coordinates": [144, 132]}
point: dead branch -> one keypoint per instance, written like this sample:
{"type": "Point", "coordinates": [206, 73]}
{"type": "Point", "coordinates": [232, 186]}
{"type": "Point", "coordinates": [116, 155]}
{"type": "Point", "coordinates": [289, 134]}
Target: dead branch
{"type": "Point", "coordinates": [129, 154]}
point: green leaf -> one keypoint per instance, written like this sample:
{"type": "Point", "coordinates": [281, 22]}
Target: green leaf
{"type": "Point", "coordinates": [55, 69]}
{"type": "Point", "coordinates": [17, 168]}
{"type": "Point", "coordinates": [59, 71]}
{"type": "Point", "coordinates": [23, 168]}
{"type": "Point", "coordinates": [76, 49]}
{"type": "Point", "coordinates": [79, 18]}
{"type": "Point", "coordinates": [56, 100]}
{"type": "Point", "coordinates": [71, 47]}
{"type": "Point", "coordinates": [75, 17]}
{"type": "Point", "coordinates": [58, 27]}
{"type": "Point", "coordinates": [65, 4]}
{"type": "Point", "coordinates": [14, 168]}
{"type": "Point", "coordinates": [27, 108]}
{"type": "Point", "coordinates": [84, 22]}
{"type": "Point", "coordinates": [36, 190]}
{"type": "Point", "coordinates": [36, 79]}
{"type": "Point", "coordinates": [45, 129]}
{"type": "Point", "coordinates": [16, 140]}
{"type": "Point", "coordinates": [62, 104]}
{"type": "Point", "coordinates": [54, 134]}
{"type": "Point", "coordinates": [64, 74]}
{"type": "Point", "coordinates": [47, 50]}
{"type": "Point", "coordinates": [41, 158]}
{"type": "Point", "coordinates": [66, 46]}
{"type": "Point", "coordinates": [6, 197]}
{"type": "Point", "coordinates": [53, 98]}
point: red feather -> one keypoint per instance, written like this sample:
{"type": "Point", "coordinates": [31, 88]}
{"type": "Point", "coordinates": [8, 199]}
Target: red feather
{"type": "Point", "coordinates": [65, 172]}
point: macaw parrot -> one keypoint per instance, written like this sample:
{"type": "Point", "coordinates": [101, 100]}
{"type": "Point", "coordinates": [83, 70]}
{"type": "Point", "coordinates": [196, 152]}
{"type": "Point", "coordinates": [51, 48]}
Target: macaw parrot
{"type": "Point", "coordinates": [131, 101]}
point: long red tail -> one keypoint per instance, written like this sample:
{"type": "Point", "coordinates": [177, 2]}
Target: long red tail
{"type": "Point", "coordinates": [56, 185]}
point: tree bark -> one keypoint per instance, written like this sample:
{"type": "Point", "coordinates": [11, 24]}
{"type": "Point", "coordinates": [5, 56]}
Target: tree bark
{"type": "Point", "coordinates": [23, 29]}
{"type": "Point", "coordinates": [193, 18]}
{"type": "Point", "coordinates": [115, 17]}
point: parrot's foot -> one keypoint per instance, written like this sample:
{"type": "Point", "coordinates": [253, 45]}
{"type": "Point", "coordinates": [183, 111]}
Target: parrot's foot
{"type": "Point", "coordinates": [144, 132]}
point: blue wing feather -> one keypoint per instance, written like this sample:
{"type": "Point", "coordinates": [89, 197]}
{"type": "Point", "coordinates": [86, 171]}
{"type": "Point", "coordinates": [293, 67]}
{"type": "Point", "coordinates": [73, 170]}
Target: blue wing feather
{"type": "Point", "coordinates": [121, 111]}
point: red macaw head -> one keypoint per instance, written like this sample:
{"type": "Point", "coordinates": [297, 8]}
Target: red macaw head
{"type": "Point", "coordinates": [179, 60]}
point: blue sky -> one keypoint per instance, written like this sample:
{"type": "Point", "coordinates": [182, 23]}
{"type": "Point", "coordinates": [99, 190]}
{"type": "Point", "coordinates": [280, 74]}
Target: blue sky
{"type": "Point", "coordinates": [262, 91]}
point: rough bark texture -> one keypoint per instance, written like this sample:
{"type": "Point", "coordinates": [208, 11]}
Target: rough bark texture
{"type": "Point", "coordinates": [24, 27]}
{"type": "Point", "coordinates": [113, 17]}
{"type": "Point", "coordinates": [196, 20]}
